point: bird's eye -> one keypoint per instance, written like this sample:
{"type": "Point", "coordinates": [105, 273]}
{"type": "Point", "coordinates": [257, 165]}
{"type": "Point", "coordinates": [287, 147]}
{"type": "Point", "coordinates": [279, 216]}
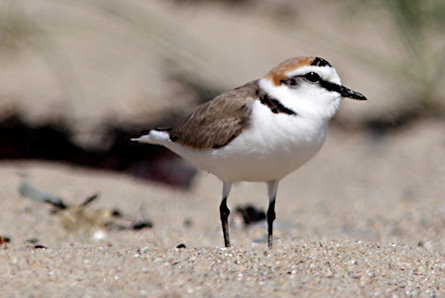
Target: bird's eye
{"type": "Point", "coordinates": [312, 77]}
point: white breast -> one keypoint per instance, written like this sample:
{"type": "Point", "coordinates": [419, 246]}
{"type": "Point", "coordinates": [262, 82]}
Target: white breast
{"type": "Point", "coordinates": [273, 146]}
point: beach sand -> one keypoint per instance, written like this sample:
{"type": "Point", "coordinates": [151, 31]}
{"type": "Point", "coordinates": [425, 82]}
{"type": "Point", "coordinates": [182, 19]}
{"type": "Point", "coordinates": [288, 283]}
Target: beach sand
{"type": "Point", "coordinates": [365, 217]}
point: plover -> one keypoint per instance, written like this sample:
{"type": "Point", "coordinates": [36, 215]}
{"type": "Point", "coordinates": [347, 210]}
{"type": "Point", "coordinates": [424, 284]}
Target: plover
{"type": "Point", "coordinates": [261, 131]}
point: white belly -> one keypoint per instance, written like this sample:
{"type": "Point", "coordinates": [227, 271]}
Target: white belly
{"type": "Point", "coordinates": [273, 146]}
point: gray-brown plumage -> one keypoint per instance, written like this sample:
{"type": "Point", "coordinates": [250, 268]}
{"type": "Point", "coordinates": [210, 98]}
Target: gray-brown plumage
{"type": "Point", "coordinates": [217, 122]}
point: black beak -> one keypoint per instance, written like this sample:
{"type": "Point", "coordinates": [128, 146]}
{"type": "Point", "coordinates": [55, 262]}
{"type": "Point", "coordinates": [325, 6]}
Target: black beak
{"type": "Point", "coordinates": [346, 92]}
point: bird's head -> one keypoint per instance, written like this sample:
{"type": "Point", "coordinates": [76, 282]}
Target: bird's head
{"type": "Point", "coordinates": [307, 85]}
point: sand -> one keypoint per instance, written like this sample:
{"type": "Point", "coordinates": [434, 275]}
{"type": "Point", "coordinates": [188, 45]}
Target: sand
{"type": "Point", "coordinates": [294, 268]}
{"type": "Point", "coordinates": [365, 217]}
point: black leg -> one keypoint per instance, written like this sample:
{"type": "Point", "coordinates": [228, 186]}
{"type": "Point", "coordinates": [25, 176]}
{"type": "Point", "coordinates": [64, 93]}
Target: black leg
{"type": "Point", "coordinates": [224, 214]}
{"type": "Point", "coordinates": [270, 219]}
{"type": "Point", "coordinates": [272, 188]}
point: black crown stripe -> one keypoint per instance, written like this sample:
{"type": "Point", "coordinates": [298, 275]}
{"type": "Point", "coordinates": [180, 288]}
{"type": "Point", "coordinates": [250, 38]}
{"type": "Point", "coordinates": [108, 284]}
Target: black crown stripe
{"type": "Point", "coordinates": [320, 62]}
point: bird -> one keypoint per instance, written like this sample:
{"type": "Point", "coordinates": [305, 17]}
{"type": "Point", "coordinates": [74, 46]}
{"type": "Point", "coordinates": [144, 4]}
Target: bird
{"type": "Point", "coordinates": [261, 131]}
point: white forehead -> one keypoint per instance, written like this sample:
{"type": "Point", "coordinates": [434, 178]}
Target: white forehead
{"type": "Point", "coordinates": [327, 73]}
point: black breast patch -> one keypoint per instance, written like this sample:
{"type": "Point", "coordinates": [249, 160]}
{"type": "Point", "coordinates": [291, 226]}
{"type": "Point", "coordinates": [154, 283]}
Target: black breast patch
{"type": "Point", "coordinates": [273, 104]}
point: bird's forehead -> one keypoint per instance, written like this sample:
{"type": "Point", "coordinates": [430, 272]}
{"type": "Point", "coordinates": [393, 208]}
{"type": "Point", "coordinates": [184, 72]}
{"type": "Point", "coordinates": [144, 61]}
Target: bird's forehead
{"type": "Point", "coordinates": [299, 65]}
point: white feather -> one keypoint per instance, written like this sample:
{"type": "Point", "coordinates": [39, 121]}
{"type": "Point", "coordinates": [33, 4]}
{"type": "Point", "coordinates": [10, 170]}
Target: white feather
{"type": "Point", "coordinates": [273, 146]}
{"type": "Point", "coordinates": [154, 137]}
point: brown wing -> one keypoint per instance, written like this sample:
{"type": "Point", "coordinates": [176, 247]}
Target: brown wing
{"type": "Point", "coordinates": [217, 122]}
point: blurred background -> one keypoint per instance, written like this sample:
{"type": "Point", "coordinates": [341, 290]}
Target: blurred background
{"type": "Point", "coordinates": [78, 78]}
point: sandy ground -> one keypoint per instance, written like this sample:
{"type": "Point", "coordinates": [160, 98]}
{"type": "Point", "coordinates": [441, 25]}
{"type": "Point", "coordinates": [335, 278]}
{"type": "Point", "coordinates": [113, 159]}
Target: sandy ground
{"type": "Point", "coordinates": [365, 217]}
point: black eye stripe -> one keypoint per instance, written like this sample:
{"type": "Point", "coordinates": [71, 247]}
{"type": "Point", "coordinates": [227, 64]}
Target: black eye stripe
{"type": "Point", "coordinates": [330, 86]}
{"type": "Point", "coordinates": [315, 78]}
{"type": "Point", "coordinates": [290, 82]}
{"type": "Point", "coordinates": [293, 81]}
{"type": "Point", "coordinates": [310, 76]}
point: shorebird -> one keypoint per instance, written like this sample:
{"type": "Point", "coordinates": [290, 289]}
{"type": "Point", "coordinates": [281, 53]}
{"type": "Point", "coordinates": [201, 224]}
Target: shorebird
{"type": "Point", "coordinates": [261, 131]}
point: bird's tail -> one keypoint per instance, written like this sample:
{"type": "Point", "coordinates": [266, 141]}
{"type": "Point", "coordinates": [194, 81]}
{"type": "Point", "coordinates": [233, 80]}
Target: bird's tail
{"type": "Point", "coordinates": [153, 136]}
